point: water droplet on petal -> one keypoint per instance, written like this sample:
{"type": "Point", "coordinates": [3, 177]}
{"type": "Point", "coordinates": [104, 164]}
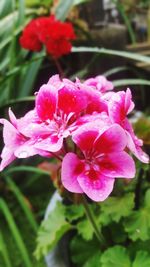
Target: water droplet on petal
{"type": "Point", "coordinates": [23, 154]}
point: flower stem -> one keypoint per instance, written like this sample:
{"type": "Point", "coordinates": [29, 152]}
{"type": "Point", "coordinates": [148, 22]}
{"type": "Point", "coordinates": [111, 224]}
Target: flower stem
{"type": "Point", "coordinates": [56, 156]}
{"type": "Point", "coordinates": [91, 218]}
{"type": "Point", "coordinates": [59, 68]}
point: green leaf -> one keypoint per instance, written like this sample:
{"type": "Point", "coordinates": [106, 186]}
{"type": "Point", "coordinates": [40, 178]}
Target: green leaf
{"type": "Point", "coordinates": [121, 8]}
{"type": "Point", "coordinates": [115, 70]}
{"type": "Point", "coordinates": [30, 74]}
{"type": "Point", "coordinates": [26, 169]}
{"type": "Point", "coordinates": [128, 82]}
{"type": "Point", "coordinates": [21, 14]}
{"type": "Point", "coordinates": [118, 207]}
{"type": "Point", "coordinates": [116, 256]}
{"type": "Point", "coordinates": [82, 251]}
{"type": "Point", "coordinates": [4, 252]}
{"type": "Point", "coordinates": [16, 234]}
{"type": "Point", "coordinates": [85, 229]}
{"type": "Point", "coordinates": [51, 231]}
{"type": "Point", "coordinates": [93, 261]}
{"type": "Point", "coordinates": [23, 204]}
{"type": "Point", "coordinates": [5, 7]}
{"type": "Point", "coordinates": [142, 259]}
{"type": "Point", "coordinates": [74, 212]}
{"type": "Point", "coordinates": [134, 56]}
{"type": "Point", "coordinates": [147, 198]}
{"type": "Point", "coordinates": [63, 9]}
{"type": "Point", "coordinates": [79, 2]}
{"type": "Point", "coordinates": [137, 225]}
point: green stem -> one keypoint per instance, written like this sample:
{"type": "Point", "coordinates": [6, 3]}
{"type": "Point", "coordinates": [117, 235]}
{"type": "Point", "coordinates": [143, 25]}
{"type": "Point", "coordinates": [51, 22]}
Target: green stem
{"type": "Point", "coordinates": [91, 218]}
{"type": "Point", "coordinates": [127, 22]}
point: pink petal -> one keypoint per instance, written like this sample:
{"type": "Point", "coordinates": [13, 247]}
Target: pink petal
{"type": "Point", "coordinates": [129, 105]}
{"type": "Point", "coordinates": [7, 157]}
{"type": "Point", "coordinates": [12, 118]}
{"type": "Point", "coordinates": [95, 103]}
{"type": "Point", "coordinates": [29, 124]}
{"type": "Point", "coordinates": [26, 150]}
{"type": "Point", "coordinates": [71, 168]}
{"type": "Point", "coordinates": [84, 137]}
{"type": "Point", "coordinates": [71, 99]}
{"type": "Point", "coordinates": [10, 134]}
{"type": "Point", "coordinates": [46, 101]}
{"type": "Point", "coordinates": [112, 140]}
{"type": "Point", "coordinates": [86, 134]}
{"type": "Point", "coordinates": [135, 147]}
{"type": "Point", "coordinates": [95, 185]}
{"type": "Point", "coordinates": [118, 164]}
{"type": "Point", "coordinates": [51, 143]}
{"type": "Point", "coordinates": [54, 80]}
{"type": "Point", "coordinates": [100, 83]}
{"type": "Point", "coordinates": [120, 105]}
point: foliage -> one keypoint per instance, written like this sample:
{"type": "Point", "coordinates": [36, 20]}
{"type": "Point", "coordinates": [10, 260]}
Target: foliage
{"type": "Point", "coordinates": [51, 230]}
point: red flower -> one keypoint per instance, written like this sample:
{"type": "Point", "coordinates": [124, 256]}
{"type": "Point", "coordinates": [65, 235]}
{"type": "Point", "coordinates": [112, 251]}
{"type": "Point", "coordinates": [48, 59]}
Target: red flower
{"type": "Point", "coordinates": [54, 34]}
{"type": "Point", "coordinates": [29, 39]}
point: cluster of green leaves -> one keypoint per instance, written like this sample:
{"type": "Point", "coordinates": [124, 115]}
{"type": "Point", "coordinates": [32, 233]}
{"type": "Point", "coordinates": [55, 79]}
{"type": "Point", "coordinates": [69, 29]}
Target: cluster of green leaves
{"type": "Point", "coordinates": [125, 226]}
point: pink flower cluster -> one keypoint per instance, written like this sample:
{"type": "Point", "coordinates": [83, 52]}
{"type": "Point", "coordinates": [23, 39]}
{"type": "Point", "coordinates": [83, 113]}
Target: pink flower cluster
{"type": "Point", "coordinates": [83, 123]}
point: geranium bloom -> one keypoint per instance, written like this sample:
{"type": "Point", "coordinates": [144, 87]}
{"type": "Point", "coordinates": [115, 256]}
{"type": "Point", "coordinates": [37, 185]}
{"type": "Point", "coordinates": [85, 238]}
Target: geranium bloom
{"type": "Point", "coordinates": [55, 35]}
{"type": "Point", "coordinates": [53, 119]}
{"type": "Point", "coordinates": [85, 126]}
{"type": "Point", "coordinates": [100, 83]}
{"type": "Point", "coordinates": [119, 106]}
{"type": "Point", "coordinates": [101, 161]}
{"type": "Point", "coordinates": [17, 145]}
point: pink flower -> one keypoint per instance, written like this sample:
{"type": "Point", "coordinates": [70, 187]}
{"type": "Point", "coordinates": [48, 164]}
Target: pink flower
{"type": "Point", "coordinates": [119, 106]}
{"type": "Point", "coordinates": [17, 145]}
{"type": "Point", "coordinates": [84, 124]}
{"type": "Point", "coordinates": [99, 161]}
{"type": "Point", "coordinates": [58, 105]}
{"type": "Point", "coordinates": [95, 102]}
{"type": "Point", "coordinates": [100, 83]}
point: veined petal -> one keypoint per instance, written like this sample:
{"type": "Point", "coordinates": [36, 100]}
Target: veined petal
{"type": "Point", "coordinates": [84, 137]}
{"type": "Point", "coordinates": [95, 185]}
{"type": "Point", "coordinates": [136, 148]}
{"type": "Point", "coordinates": [51, 143]}
{"type": "Point", "coordinates": [71, 168]}
{"type": "Point", "coordinates": [28, 124]}
{"type": "Point", "coordinates": [112, 140]}
{"type": "Point", "coordinates": [12, 118]}
{"type": "Point", "coordinates": [100, 83]}
{"type": "Point", "coordinates": [25, 150]}
{"type": "Point", "coordinates": [10, 134]}
{"type": "Point", "coordinates": [118, 164]}
{"type": "Point", "coordinates": [129, 105]}
{"type": "Point", "coordinates": [7, 157]}
{"type": "Point", "coordinates": [46, 101]}
{"type": "Point", "coordinates": [71, 99]}
{"type": "Point", "coordinates": [95, 103]}
{"type": "Point", "coordinates": [120, 105]}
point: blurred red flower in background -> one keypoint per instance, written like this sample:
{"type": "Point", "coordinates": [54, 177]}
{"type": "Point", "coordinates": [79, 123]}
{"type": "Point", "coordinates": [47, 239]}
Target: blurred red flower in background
{"type": "Point", "coordinates": [54, 34]}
